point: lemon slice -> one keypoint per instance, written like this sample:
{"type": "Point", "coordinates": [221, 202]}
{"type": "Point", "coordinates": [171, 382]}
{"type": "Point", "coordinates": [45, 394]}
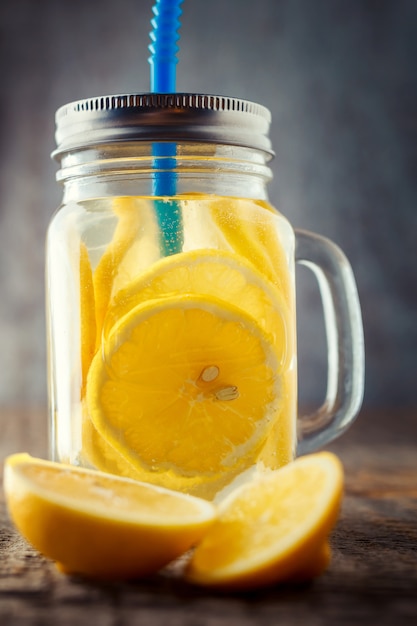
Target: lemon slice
{"type": "Point", "coordinates": [251, 229]}
{"type": "Point", "coordinates": [132, 248]}
{"type": "Point", "coordinates": [186, 386]}
{"type": "Point", "coordinates": [98, 525]}
{"type": "Point", "coordinates": [87, 314]}
{"type": "Point", "coordinates": [274, 528]}
{"type": "Point", "coordinates": [98, 453]}
{"type": "Point", "coordinates": [217, 273]}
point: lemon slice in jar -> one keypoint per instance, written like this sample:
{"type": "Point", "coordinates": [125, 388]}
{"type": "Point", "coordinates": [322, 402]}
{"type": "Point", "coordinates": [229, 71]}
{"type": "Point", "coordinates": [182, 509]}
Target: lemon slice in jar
{"type": "Point", "coordinates": [250, 228]}
{"type": "Point", "coordinates": [186, 389]}
{"type": "Point", "coordinates": [132, 248]}
{"type": "Point", "coordinates": [222, 274]}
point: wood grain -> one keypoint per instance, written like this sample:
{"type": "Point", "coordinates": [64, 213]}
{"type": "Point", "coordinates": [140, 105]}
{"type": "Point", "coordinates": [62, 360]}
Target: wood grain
{"type": "Point", "coordinates": [372, 579]}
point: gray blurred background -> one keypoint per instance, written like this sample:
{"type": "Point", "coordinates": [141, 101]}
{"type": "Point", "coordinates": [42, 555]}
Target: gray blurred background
{"type": "Point", "coordinates": [340, 79]}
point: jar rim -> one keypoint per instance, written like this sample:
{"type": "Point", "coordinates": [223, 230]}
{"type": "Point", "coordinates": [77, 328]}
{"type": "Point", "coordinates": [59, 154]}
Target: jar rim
{"type": "Point", "coordinates": [170, 117]}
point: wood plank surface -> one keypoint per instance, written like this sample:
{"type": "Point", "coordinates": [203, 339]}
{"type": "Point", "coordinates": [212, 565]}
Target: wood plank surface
{"type": "Point", "coordinates": [372, 579]}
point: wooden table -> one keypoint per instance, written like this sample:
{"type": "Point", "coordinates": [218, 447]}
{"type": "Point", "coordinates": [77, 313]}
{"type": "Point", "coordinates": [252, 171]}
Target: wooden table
{"type": "Point", "coordinates": [372, 579]}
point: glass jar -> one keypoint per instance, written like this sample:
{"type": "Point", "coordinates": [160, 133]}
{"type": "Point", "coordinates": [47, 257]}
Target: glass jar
{"type": "Point", "coordinates": [171, 298]}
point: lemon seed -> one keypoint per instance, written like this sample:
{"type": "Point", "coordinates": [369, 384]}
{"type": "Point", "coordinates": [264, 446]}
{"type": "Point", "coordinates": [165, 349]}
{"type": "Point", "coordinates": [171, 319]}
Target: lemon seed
{"type": "Point", "coordinates": [209, 373]}
{"type": "Point", "coordinates": [227, 393]}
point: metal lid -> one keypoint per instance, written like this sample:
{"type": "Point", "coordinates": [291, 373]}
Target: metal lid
{"type": "Point", "coordinates": [178, 117]}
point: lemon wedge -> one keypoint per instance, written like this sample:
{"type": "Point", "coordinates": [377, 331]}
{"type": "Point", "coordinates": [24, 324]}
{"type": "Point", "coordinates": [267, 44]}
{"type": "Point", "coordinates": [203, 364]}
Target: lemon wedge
{"type": "Point", "coordinates": [274, 528]}
{"type": "Point", "coordinates": [99, 525]}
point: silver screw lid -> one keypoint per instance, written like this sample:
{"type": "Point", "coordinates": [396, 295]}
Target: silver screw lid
{"type": "Point", "coordinates": [178, 117]}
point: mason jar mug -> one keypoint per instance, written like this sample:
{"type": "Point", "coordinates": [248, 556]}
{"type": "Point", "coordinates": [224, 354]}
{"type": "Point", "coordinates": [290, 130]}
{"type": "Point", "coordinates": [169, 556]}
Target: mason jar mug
{"type": "Point", "coordinates": [171, 298]}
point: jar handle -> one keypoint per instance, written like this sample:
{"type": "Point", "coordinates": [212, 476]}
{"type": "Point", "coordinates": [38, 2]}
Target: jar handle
{"type": "Point", "coordinates": [345, 344]}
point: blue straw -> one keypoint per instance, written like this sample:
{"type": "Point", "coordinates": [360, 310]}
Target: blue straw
{"type": "Point", "coordinates": [164, 45]}
{"type": "Point", "coordinates": [163, 62]}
